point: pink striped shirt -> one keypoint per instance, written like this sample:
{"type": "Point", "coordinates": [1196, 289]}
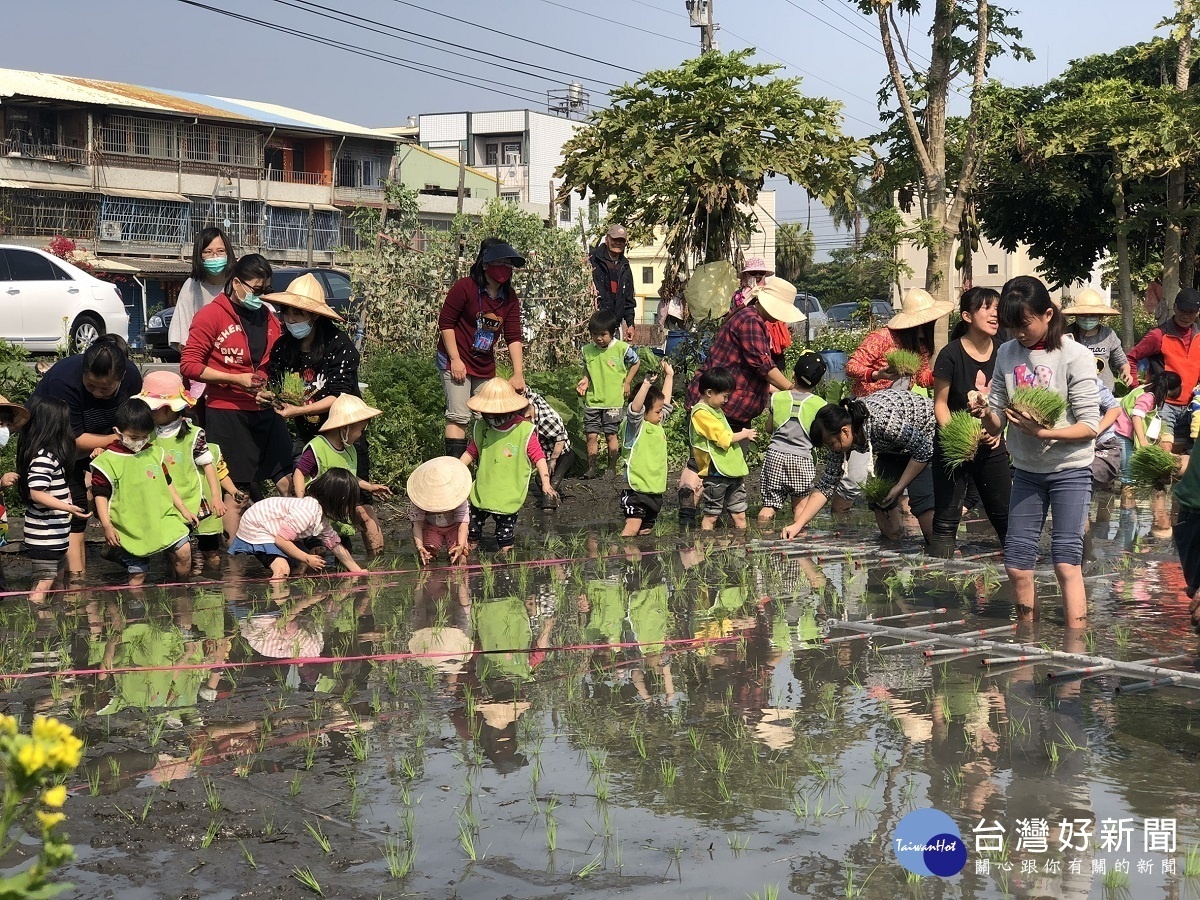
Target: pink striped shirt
{"type": "Point", "coordinates": [291, 518]}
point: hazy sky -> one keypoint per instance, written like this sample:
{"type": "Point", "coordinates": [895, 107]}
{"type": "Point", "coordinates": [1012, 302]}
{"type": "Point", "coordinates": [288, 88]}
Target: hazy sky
{"type": "Point", "coordinates": [167, 43]}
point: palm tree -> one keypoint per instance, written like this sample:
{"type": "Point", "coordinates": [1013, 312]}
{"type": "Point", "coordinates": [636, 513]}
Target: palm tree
{"type": "Point", "coordinates": [794, 250]}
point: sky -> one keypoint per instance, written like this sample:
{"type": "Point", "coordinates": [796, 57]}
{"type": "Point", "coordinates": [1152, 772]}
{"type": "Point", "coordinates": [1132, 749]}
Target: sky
{"type": "Point", "coordinates": [831, 46]}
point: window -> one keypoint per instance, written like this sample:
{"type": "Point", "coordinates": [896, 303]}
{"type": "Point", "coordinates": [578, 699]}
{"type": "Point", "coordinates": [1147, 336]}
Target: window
{"type": "Point", "coordinates": [564, 210]}
{"type": "Point", "coordinates": [26, 266]}
{"type": "Point", "coordinates": [368, 173]}
{"type": "Point", "coordinates": [274, 159]}
{"type": "Point", "coordinates": [339, 285]}
{"type": "Point", "coordinates": [511, 196]}
{"type": "Point", "coordinates": [993, 269]}
{"type": "Point", "coordinates": [512, 153]}
{"type": "Point", "coordinates": [647, 274]}
{"type": "Point", "coordinates": [650, 310]}
{"type": "Point", "coordinates": [491, 154]}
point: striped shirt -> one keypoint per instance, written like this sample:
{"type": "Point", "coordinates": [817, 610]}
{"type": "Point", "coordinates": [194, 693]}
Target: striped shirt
{"type": "Point", "coordinates": [291, 518]}
{"type": "Point", "coordinates": [47, 531]}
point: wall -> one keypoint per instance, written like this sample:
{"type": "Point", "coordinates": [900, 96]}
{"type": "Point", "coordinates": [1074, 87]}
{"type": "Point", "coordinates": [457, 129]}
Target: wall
{"type": "Point", "coordinates": [418, 167]}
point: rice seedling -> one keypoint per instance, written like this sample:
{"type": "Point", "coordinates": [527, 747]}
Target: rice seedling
{"type": "Point", "coordinates": [737, 843]}
{"type": "Point", "coordinates": [723, 790]}
{"type": "Point", "coordinates": [960, 438]}
{"type": "Point", "coordinates": [769, 892]}
{"type": "Point", "coordinates": [551, 833]}
{"type": "Point", "coordinates": [247, 855]}
{"type": "Point", "coordinates": [294, 785]}
{"type": "Point", "coordinates": [399, 862]}
{"type": "Point", "coordinates": [1191, 862]}
{"type": "Point", "coordinates": [319, 836]}
{"type": "Point", "coordinates": [669, 773]}
{"type": "Point", "coordinates": [724, 760]}
{"type": "Point", "coordinates": [93, 780]}
{"type": "Point", "coordinates": [876, 488]}
{"type": "Point", "coordinates": [355, 802]}
{"type": "Point", "coordinates": [638, 741]}
{"type": "Point", "coordinates": [466, 839]}
{"type": "Point", "coordinates": [146, 807]}
{"type": "Point", "coordinates": [1040, 404]}
{"type": "Point", "coordinates": [306, 878]}
{"type": "Point", "coordinates": [1052, 753]}
{"type": "Point", "coordinates": [360, 745]}
{"type": "Point", "coordinates": [695, 739]}
{"type": "Point", "coordinates": [210, 834]}
{"type": "Point", "coordinates": [904, 362]}
{"type": "Point", "coordinates": [1122, 635]}
{"type": "Point", "coordinates": [1152, 467]}
{"type": "Point", "coordinates": [1116, 880]}
{"type": "Point", "coordinates": [212, 796]}
{"type": "Point", "coordinates": [591, 867]}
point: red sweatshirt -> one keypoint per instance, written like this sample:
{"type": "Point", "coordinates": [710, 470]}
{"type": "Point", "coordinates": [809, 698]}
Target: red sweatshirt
{"type": "Point", "coordinates": [216, 340]}
{"type": "Point", "coordinates": [463, 306]}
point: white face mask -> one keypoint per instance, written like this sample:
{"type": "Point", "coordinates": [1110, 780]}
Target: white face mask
{"type": "Point", "coordinates": [134, 446]}
{"type": "Point", "coordinates": [169, 431]}
{"type": "Point", "coordinates": [5, 434]}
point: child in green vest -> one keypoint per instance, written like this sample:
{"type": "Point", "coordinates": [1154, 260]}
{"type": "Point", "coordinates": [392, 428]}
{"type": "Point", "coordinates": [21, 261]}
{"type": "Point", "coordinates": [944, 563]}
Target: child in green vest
{"type": "Point", "coordinates": [610, 367]}
{"type": "Point", "coordinates": [788, 473]}
{"type": "Point", "coordinates": [506, 447]}
{"type": "Point", "coordinates": [717, 451]}
{"type": "Point", "coordinates": [644, 451]}
{"type": "Point", "coordinates": [190, 461]}
{"type": "Point", "coordinates": [140, 509]}
{"type": "Point", "coordinates": [334, 448]}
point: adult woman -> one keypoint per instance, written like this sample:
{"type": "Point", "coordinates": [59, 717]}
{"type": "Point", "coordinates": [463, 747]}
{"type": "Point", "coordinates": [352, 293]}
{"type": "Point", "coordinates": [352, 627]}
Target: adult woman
{"type": "Point", "coordinates": [477, 311]}
{"type": "Point", "coordinates": [227, 349]}
{"type": "Point", "coordinates": [1088, 308]}
{"type": "Point", "coordinates": [910, 329]}
{"type": "Point", "coordinates": [212, 258]}
{"type": "Point", "coordinates": [755, 271]}
{"type": "Point", "coordinates": [963, 372]}
{"type": "Point", "coordinates": [93, 384]}
{"type": "Point", "coordinates": [896, 427]}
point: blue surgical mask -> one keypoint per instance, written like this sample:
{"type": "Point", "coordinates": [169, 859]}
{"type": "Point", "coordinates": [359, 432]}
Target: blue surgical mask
{"type": "Point", "coordinates": [5, 434]}
{"type": "Point", "coordinates": [216, 265]}
{"type": "Point", "coordinates": [299, 330]}
{"type": "Point", "coordinates": [1088, 323]}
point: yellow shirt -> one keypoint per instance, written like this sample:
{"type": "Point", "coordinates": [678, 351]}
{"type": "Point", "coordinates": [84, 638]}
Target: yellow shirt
{"type": "Point", "coordinates": [709, 426]}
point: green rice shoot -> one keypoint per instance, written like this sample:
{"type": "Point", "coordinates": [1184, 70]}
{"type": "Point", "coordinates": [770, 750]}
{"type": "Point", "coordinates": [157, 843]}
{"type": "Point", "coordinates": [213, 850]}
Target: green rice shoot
{"type": "Point", "coordinates": [876, 488]}
{"type": "Point", "coordinates": [1152, 467]}
{"type": "Point", "coordinates": [960, 438]}
{"type": "Point", "coordinates": [292, 388]}
{"type": "Point", "coordinates": [904, 362]}
{"type": "Point", "coordinates": [1043, 406]}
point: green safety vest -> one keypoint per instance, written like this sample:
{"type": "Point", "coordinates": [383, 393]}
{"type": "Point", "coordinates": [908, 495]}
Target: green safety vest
{"type": "Point", "coordinates": [606, 375]}
{"type": "Point", "coordinates": [141, 508]}
{"type": "Point", "coordinates": [785, 406]}
{"type": "Point", "coordinates": [1129, 401]}
{"type": "Point", "coordinates": [329, 457]}
{"type": "Point", "coordinates": [502, 476]}
{"type": "Point", "coordinates": [607, 616]}
{"type": "Point", "coordinates": [730, 462]}
{"type": "Point", "coordinates": [501, 625]}
{"type": "Point", "coordinates": [213, 524]}
{"type": "Point", "coordinates": [179, 456]}
{"type": "Point", "coordinates": [645, 457]}
{"type": "Point", "coordinates": [648, 618]}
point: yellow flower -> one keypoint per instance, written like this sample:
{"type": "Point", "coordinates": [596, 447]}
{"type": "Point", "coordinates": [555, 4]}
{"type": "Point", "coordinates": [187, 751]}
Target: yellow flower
{"type": "Point", "coordinates": [8, 725]}
{"type": "Point", "coordinates": [55, 796]}
{"type": "Point", "coordinates": [50, 730]}
{"type": "Point", "coordinates": [31, 757]}
{"type": "Point", "coordinates": [49, 820]}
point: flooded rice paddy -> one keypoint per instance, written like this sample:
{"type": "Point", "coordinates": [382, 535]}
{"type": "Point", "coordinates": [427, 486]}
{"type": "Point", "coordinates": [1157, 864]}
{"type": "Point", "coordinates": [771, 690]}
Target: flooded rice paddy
{"type": "Point", "coordinates": [662, 719]}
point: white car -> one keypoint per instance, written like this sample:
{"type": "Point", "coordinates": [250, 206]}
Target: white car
{"type": "Point", "coordinates": [39, 290]}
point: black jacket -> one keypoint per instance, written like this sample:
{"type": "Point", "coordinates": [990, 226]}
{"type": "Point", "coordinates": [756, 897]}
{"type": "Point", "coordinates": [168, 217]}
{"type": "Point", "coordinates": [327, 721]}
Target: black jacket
{"type": "Point", "coordinates": [605, 271]}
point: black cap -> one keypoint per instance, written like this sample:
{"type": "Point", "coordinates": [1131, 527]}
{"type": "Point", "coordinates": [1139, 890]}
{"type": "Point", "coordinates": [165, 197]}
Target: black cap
{"type": "Point", "coordinates": [1188, 300]}
{"type": "Point", "coordinates": [810, 369]}
{"type": "Point", "coordinates": [500, 252]}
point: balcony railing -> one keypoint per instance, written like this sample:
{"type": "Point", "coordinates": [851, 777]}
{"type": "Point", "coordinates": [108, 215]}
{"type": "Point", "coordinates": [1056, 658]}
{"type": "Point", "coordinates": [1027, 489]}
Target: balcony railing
{"type": "Point", "coordinates": [317, 178]}
{"type": "Point", "coordinates": [73, 156]}
{"type": "Point", "coordinates": [358, 193]}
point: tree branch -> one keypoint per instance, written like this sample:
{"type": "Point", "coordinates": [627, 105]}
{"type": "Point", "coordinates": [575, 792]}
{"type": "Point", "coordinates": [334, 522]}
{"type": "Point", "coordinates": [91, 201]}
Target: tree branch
{"type": "Point", "coordinates": [900, 41]}
{"type": "Point", "coordinates": [971, 155]}
{"type": "Point", "coordinates": [914, 130]}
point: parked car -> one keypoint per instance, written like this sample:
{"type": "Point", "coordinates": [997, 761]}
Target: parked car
{"type": "Point", "coordinates": [337, 292]}
{"type": "Point", "coordinates": [40, 291]}
{"type": "Point", "coordinates": [849, 315]}
{"type": "Point", "coordinates": [816, 321]}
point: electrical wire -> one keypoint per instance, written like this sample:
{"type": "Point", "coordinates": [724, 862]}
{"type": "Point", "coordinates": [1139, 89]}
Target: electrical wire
{"type": "Point", "coordinates": [611, 21]}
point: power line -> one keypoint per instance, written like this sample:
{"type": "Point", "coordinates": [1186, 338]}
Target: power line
{"type": "Point", "coordinates": [612, 21]}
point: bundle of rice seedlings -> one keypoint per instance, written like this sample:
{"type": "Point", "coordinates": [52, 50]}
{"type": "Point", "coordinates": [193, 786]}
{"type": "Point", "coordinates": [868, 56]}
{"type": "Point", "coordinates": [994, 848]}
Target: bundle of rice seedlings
{"type": "Point", "coordinates": [1152, 466]}
{"type": "Point", "coordinates": [291, 390]}
{"type": "Point", "coordinates": [1040, 404]}
{"type": "Point", "coordinates": [876, 488]}
{"type": "Point", "coordinates": [905, 362]}
{"type": "Point", "coordinates": [960, 438]}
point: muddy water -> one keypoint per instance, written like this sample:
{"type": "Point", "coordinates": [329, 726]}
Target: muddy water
{"type": "Point", "coordinates": [663, 721]}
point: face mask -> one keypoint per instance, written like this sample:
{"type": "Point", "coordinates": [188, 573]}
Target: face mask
{"type": "Point", "coordinates": [252, 301]}
{"type": "Point", "coordinates": [135, 446]}
{"type": "Point", "coordinates": [496, 422]}
{"type": "Point", "coordinates": [499, 274]}
{"type": "Point", "coordinates": [299, 330]}
{"type": "Point", "coordinates": [216, 265]}
{"type": "Point", "coordinates": [1087, 323]}
{"type": "Point", "coordinates": [169, 431]}
{"type": "Point", "coordinates": [5, 434]}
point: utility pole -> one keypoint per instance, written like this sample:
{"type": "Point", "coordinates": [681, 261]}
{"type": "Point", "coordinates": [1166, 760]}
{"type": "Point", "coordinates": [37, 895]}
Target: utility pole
{"type": "Point", "coordinates": [701, 14]}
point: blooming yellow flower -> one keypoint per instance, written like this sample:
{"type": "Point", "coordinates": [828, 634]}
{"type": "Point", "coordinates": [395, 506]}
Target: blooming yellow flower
{"type": "Point", "coordinates": [55, 796]}
{"type": "Point", "coordinates": [31, 757]}
{"type": "Point", "coordinates": [49, 820]}
{"type": "Point", "coordinates": [8, 725]}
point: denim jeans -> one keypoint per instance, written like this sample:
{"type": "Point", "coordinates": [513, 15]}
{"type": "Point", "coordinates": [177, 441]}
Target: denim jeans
{"type": "Point", "coordinates": [1066, 495]}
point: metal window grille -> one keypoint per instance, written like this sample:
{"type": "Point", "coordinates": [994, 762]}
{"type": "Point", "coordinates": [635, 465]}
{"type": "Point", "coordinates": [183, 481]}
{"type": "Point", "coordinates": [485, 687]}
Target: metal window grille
{"type": "Point", "coordinates": [139, 136]}
{"type": "Point", "coordinates": [222, 145]}
{"type": "Point", "coordinates": [148, 221]}
{"type": "Point", "coordinates": [48, 213]}
{"type": "Point", "coordinates": [242, 220]}
{"type": "Point", "coordinates": [326, 230]}
{"type": "Point", "coordinates": [154, 139]}
{"type": "Point", "coordinates": [287, 229]}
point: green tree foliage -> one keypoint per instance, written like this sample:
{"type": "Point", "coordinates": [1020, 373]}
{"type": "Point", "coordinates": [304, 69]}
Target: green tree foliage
{"type": "Point", "coordinates": [794, 251]}
{"type": "Point", "coordinates": [688, 149]}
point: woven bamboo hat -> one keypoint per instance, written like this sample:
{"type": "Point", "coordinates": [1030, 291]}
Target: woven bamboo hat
{"type": "Point", "coordinates": [917, 308]}
{"type": "Point", "coordinates": [496, 397]}
{"type": "Point", "coordinates": [446, 649]}
{"type": "Point", "coordinates": [348, 409]}
{"type": "Point", "coordinates": [304, 293]}
{"type": "Point", "coordinates": [777, 299]}
{"type": "Point", "coordinates": [501, 715]}
{"type": "Point", "coordinates": [1089, 302]}
{"type": "Point", "coordinates": [19, 413]}
{"type": "Point", "coordinates": [161, 389]}
{"type": "Point", "coordinates": [439, 485]}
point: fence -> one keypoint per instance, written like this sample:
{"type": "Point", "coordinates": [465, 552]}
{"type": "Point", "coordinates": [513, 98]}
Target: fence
{"type": "Point", "coordinates": [48, 213]}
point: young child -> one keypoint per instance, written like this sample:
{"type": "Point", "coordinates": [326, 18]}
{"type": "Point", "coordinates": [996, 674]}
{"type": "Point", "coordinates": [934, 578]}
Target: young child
{"type": "Point", "coordinates": [12, 417]}
{"type": "Point", "coordinates": [644, 450]}
{"type": "Point", "coordinates": [438, 490]}
{"type": "Point", "coordinates": [276, 531]}
{"type": "Point", "coordinates": [189, 459]}
{"type": "Point", "coordinates": [610, 366]}
{"type": "Point", "coordinates": [1052, 466]}
{"type": "Point", "coordinates": [334, 448]}
{"type": "Point", "coordinates": [1089, 310]}
{"type": "Point", "coordinates": [788, 472]}
{"type": "Point", "coordinates": [45, 453]}
{"type": "Point", "coordinates": [504, 444]}
{"type": "Point", "coordinates": [556, 444]}
{"type": "Point", "coordinates": [140, 509]}
{"type": "Point", "coordinates": [718, 452]}
{"type": "Point", "coordinates": [1140, 408]}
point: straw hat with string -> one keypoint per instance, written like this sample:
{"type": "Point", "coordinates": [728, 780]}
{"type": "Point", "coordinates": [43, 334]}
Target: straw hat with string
{"type": "Point", "coordinates": [919, 308]}
{"type": "Point", "coordinates": [501, 715]}
{"type": "Point", "coordinates": [20, 415]}
{"type": "Point", "coordinates": [304, 293]}
{"type": "Point", "coordinates": [439, 485]}
{"type": "Point", "coordinates": [496, 397]}
{"type": "Point", "coordinates": [777, 299]}
{"type": "Point", "coordinates": [445, 649]}
{"type": "Point", "coordinates": [1089, 302]}
{"type": "Point", "coordinates": [348, 409]}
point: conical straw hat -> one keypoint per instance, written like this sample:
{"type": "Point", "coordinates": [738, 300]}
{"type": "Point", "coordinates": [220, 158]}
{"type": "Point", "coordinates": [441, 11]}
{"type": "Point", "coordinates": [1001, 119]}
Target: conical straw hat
{"type": "Point", "coordinates": [19, 413]}
{"type": "Point", "coordinates": [1089, 302]}
{"type": "Point", "coordinates": [496, 397]}
{"type": "Point", "coordinates": [501, 715]}
{"type": "Point", "coordinates": [439, 485]}
{"type": "Point", "coordinates": [304, 293]}
{"type": "Point", "coordinates": [348, 409]}
{"type": "Point", "coordinates": [917, 308]}
{"type": "Point", "coordinates": [448, 647]}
